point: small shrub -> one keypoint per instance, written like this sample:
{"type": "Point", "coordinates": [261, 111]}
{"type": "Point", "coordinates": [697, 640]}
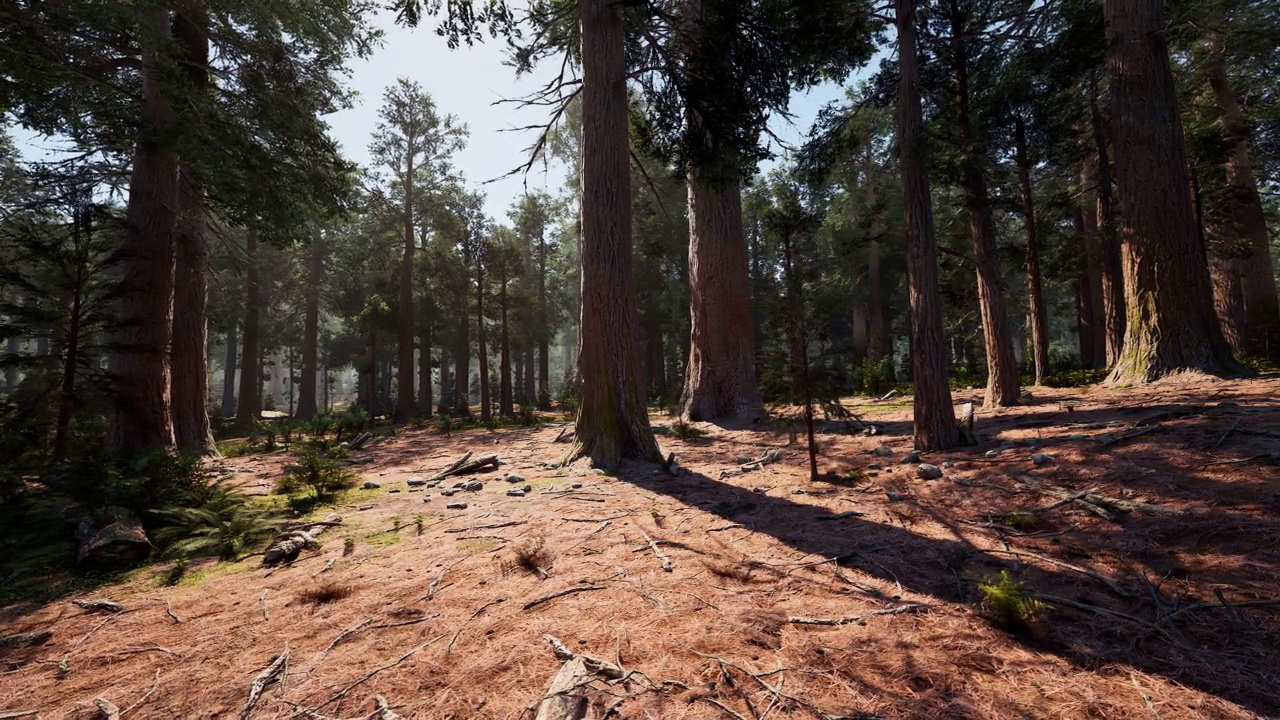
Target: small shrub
{"type": "Point", "coordinates": [571, 393]}
{"type": "Point", "coordinates": [1019, 520]}
{"type": "Point", "coordinates": [419, 522]}
{"type": "Point", "coordinates": [685, 431]}
{"type": "Point", "coordinates": [176, 573]}
{"type": "Point", "coordinates": [225, 525]}
{"type": "Point", "coordinates": [1075, 378]}
{"type": "Point", "coordinates": [527, 417]}
{"type": "Point", "coordinates": [445, 425]}
{"type": "Point", "coordinates": [269, 403]}
{"type": "Point", "coordinates": [531, 555]}
{"type": "Point", "coordinates": [330, 592]}
{"type": "Point", "coordinates": [1007, 605]}
{"type": "Point", "coordinates": [728, 570]}
{"type": "Point", "coordinates": [321, 475]}
{"type": "Point", "coordinates": [348, 546]}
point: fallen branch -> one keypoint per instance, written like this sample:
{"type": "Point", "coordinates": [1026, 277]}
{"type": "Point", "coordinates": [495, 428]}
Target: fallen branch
{"type": "Point", "coordinates": [272, 674]}
{"type": "Point", "coordinates": [28, 639]}
{"type": "Point", "coordinates": [597, 666]}
{"type": "Point", "coordinates": [1131, 434]}
{"type": "Point", "coordinates": [139, 650]}
{"type": "Point", "coordinates": [1223, 604]}
{"type": "Point", "coordinates": [573, 590]}
{"type": "Point", "coordinates": [106, 606]}
{"type": "Point", "coordinates": [1271, 457]}
{"type": "Point", "coordinates": [591, 520]}
{"type": "Point", "coordinates": [771, 455]}
{"type": "Point", "coordinates": [802, 620]}
{"type": "Point", "coordinates": [666, 561]}
{"type": "Point", "coordinates": [343, 692]}
{"type": "Point", "coordinates": [1224, 437]}
{"type": "Point", "coordinates": [777, 692]}
{"type": "Point", "coordinates": [288, 544]}
{"type": "Point", "coordinates": [841, 516]}
{"type": "Point", "coordinates": [327, 567]}
{"type": "Point", "coordinates": [138, 703]}
{"type": "Point", "coordinates": [360, 441]}
{"type": "Point", "coordinates": [565, 435]}
{"type": "Point", "coordinates": [449, 648]}
{"type": "Point", "coordinates": [1083, 571]}
{"type": "Point", "coordinates": [266, 613]}
{"type": "Point", "coordinates": [18, 714]}
{"type": "Point", "coordinates": [168, 610]}
{"type": "Point", "coordinates": [494, 526]}
{"type": "Point", "coordinates": [465, 466]}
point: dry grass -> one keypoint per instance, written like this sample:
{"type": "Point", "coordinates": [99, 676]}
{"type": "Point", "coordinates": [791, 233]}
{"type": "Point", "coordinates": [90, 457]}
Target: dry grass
{"type": "Point", "coordinates": [325, 593]}
{"type": "Point", "coordinates": [715, 633]}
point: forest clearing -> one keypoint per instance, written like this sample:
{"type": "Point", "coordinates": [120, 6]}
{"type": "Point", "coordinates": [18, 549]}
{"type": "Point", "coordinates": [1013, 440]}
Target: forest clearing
{"type": "Point", "coordinates": [854, 597]}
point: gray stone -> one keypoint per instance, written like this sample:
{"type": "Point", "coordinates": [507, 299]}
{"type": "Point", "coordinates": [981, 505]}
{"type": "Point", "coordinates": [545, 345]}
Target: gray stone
{"type": "Point", "coordinates": [1008, 445]}
{"type": "Point", "coordinates": [576, 486]}
{"type": "Point", "coordinates": [911, 457]}
{"type": "Point", "coordinates": [456, 506]}
{"type": "Point", "coordinates": [993, 453]}
{"type": "Point", "coordinates": [516, 492]}
{"type": "Point", "coordinates": [448, 493]}
{"type": "Point", "coordinates": [1106, 438]}
{"type": "Point", "coordinates": [370, 485]}
{"type": "Point", "coordinates": [883, 451]}
{"type": "Point", "coordinates": [1076, 436]}
{"type": "Point", "coordinates": [473, 486]}
{"type": "Point", "coordinates": [115, 537]}
{"type": "Point", "coordinates": [743, 459]}
{"type": "Point", "coordinates": [947, 464]}
{"type": "Point", "coordinates": [513, 478]}
{"type": "Point", "coordinates": [416, 482]}
{"type": "Point", "coordinates": [1041, 459]}
{"type": "Point", "coordinates": [527, 488]}
{"type": "Point", "coordinates": [426, 499]}
{"type": "Point", "coordinates": [873, 466]}
{"type": "Point", "coordinates": [394, 490]}
{"type": "Point", "coordinates": [896, 497]}
{"type": "Point", "coordinates": [925, 471]}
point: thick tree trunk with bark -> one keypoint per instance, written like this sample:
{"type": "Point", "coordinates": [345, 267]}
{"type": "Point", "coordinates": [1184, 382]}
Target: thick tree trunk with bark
{"type": "Point", "coordinates": [530, 390]}
{"type": "Point", "coordinates": [1002, 368]}
{"type": "Point", "coordinates": [613, 420]}
{"type": "Point", "coordinates": [141, 419]}
{"type": "Point", "coordinates": [462, 374]}
{"type": "Point", "coordinates": [1227, 274]}
{"type": "Point", "coordinates": [249, 405]}
{"type": "Point", "coordinates": [934, 416]}
{"type": "Point", "coordinates": [543, 396]}
{"type": "Point", "coordinates": [879, 344]}
{"type": "Point", "coordinates": [506, 403]}
{"type": "Point", "coordinates": [1035, 295]}
{"type": "Point", "coordinates": [311, 330]}
{"type": "Point", "coordinates": [1171, 324]}
{"type": "Point", "coordinates": [720, 379]}
{"type": "Point", "coordinates": [482, 351]}
{"type": "Point", "coordinates": [1110, 301]}
{"type": "Point", "coordinates": [406, 403]}
{"type": "Point", "coordinates": [447, 395]}
{"type": "Point", "coordinates": [860, 336]}
{"type": "Point", "coordinates": [229, 374]}
{"type": "Point", "coordinates": [1261, 306]}
{"type": "Point", "coordinates": [189, 379]}
{"type": "Point", "coordinates": [425, 399]}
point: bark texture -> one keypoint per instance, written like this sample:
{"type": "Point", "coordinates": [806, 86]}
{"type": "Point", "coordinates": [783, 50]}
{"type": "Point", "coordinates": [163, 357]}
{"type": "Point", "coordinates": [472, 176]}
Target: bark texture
{"type": "Point", "coordinates": [425, 391]}
{"type": "Point", "coordinates": [1035, 295]}
{"type": "Point", "coordinates": [506, 400]}
{"type": "Point", "coordinates": [613, 422]}
{"type": "Point", "coordinates": [140, 417]}
{"type": "Point", "coordinates": [935, 420]}
{"type": "Point", "coordinates": [229, 374]}
{"type": "Point", "coordinates": [248, 404]}
{"type": "Point", "coordinates": [311, 330]}
{"type": "Point", "coordinates": [1171, 324]}
{"type": "Point", "coordinates": [720, 379]}
{"type": "Point", "coordinates": [1261, 306]}
{"type": "Point", "coordinates": [406, 403]}
{"type": "Point", "coordinates": [1111, 278]}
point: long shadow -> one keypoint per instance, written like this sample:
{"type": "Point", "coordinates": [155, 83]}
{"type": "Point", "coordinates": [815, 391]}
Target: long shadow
{"type": "Point", "coordinates": [1195, 652]}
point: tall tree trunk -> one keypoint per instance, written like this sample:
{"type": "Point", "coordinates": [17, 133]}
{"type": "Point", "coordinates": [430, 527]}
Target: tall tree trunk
{"type": "Point", "coordinates": [1227, 274]}
{"type": "Point", "coordinates": [249, 404]}
{"type": "Point", "coordinates": [720, 379]}
{"type": "Point", "coordinates": [1262, 308]}
{"type": "Point", "coordinates": [1171, 325]}
{"type": "Point", "coordinates": [71, 349]}
{"type": "Point", "coordinates": [189, 355]}
{"type": "Point", "coordinates": [530, 393]}
{"type": "Point", "coordinates": [229, 374]}
{"type": "Point", "coordinates": [613, 420]}
{"type": "Point", "coordinates": [141, 419]}
{"type": "Point", "coordinates": [506, 404]}
{"type": "Point", "coordinates": [462, 377]}
{"type": "Point", "coordinates": [1110, 301]}
{"type": "Point", "coordinates": [1039, 330]}
{"type": "Point", "coordinates": [1089, 291]}
{"type": "Point", "coordinates": [447, 395]}
{"type": "Point", "coordinates": [482, 351]}
{"type": "Point", "coordinates": [311, 329]}
{"type": "Point", "coordinates": [935, 420]}
{"type": "Point", "coordinates": [425, 399]}
{"type": "Point", "coordinates": [860, 333]}
{"type": "Point", "coordinates": [406, 403]}
{"type": "Point", "coordinates": [1002, 368]}
{"type": "Point", "coordinates": [878, 340]}
{"type": "Point", "coordinates": [543, 394]}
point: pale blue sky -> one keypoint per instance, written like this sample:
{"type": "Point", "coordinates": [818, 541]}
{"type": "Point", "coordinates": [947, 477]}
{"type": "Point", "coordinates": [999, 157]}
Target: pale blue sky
{"type": "Point", "coordinates": [466, 82]}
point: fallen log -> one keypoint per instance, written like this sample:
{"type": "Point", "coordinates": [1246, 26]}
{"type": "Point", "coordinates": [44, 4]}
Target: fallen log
{"type": "Point", "coordinates": [106, 709]}
{"type": "Point", "coordinates": [272, 674]}
{"type": "Point", "coordinates": [99, 606]}
{"type": "Point", "coordinates": [771, 455]}
{"type": "Point", "coordinates": [564, 699]}
{"type": "Point", "coordinates": [27, 639]}
{"type": "Point", "coordinates": [465, 466]}
{"type": "Point", "coordinates": [291, 542]}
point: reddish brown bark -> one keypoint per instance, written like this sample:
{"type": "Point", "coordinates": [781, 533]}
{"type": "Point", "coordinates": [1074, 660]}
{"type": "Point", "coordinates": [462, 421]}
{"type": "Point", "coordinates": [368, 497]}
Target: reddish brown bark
{"type": "Point", "coordinates": [311, 330]}
{"type": "Point", "coordinates": [482, 350]}
{"type": "Point", "coordinates": [935, 421]}
{"type": "Point", "coordinates": [1110, 283]}
{"type": "Point", "coordinates": [613, 422]}
{"type": "Point", "coordinates": [140, 417]}
{"type": "Point", "coordinates": [248, 404]}
{"type": "Point", "coordinates": [1171, 324]}
{"type": "Point", "coordinates": [506, 401]}
{"type": "Point", "coordinates": [1035, 294]}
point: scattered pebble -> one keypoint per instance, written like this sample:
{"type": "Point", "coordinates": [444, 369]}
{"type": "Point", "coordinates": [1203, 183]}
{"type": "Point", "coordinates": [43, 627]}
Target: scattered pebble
{"type": "Point", "coordinates": [527, 489]}
{"type": "Point", "coordinates": [576, 486]}
{"type": "Point", "coordinates": [473, 486]}
{"type": "Point", "coordinates": [426, 499]}
{"type": "Point", "coordinates": [1008, 445]}
{"type": "Point", "coordinates": [515, 492]}
{"type": "Point", "coordinates": [370, 485]}
{"type": "Point", "coordinates": [925, 471]}
{"type": "Point", "coordinates": [1041, 459]}
{"type": "Point", "coordinates": [911, 457]}
{"type": "Point", "coordinates": [798, 492]}
{"type": "Point", "coordinates": [760, 491]}
{"type": "Point", "coordinates": [448, 493]}
{"type": "Point", "coordinates": [394, 490]}
{"type": "Point", "coordinates": [365, 507]}
{"type": "Point", "coordinates": [993, 453]}
{"type": "Point", "coordinates": [456, 506]}
{"type": "Point", "coordinates": [416, 482]}
{"type": "Point", "coordinates": [896, 497]}
{"type": "Point", "coordinates": [743, 459]}
{"type": "Point", "coordinates": [513, 477]}
{"type": "Point", "coordinates": [873, 466]}
{"type": "Point", "coordinates": [883, 451]}
{"type": "Point", "coordinates": [947, 464]}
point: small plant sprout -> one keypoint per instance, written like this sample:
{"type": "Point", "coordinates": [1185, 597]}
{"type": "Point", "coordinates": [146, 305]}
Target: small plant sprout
{"type": "Point", "coordinates": [348, 546]}
{"type": "Point", "coordinates": [1007, 605]}
{"type": "Point", "coordinates": [419, 521]}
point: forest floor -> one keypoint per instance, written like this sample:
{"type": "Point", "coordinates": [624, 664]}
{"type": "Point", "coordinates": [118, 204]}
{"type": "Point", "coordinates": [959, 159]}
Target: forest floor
{"type": "Point", "coordinates": [1153, 611]}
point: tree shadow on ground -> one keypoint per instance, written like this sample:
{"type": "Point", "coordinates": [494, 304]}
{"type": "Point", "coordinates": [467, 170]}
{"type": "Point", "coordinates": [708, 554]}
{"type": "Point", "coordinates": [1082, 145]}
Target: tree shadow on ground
{"type": "Point", "coordinates": [1228, 652]}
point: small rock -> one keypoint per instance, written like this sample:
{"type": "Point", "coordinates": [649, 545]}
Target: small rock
{"type": "Point", "coordinates": [365, 507]}
{"type": "Point", "coordinates": [947, 464]}
{"type": "Point", "coordinates": [883, 451]}
{"type": "Point", "coordinates": [456, 506]}
{"type": "Point", "coordinates": [760, 491]}
{"type": "Point", "coordinates": [426, 499]}
{"type": "Point", "coordinates": [370, 485]}
{"type": "Point", "coordinates": [461, 484]}
{"type": "Point", "coordinates": [873, 466]}
{"type": "Point", "coordinates": [576, 486]}
{"type": "Point", "coordinates": [448, 493]}
{"type": "Point", "coordinates": [473, 486]}
{"type": "Point", "coordinates": [1034, 442]}
{"type": "Point", "coordinates": [925, 471]}
{"type": "Point", "coordinates": [416, 482]}
{"type": "Point", "coordinates": [1076, 436]}
{"type": "Point", "coordinates": [513, 477]}
{"type": "Point", "coordinates": [415, 489]}
{"type": "Point", "coordinates": [394, 490]}
{"type": "Point", "coordinates": [911, 457]}
{"type": "Point", "coordinates": [798, 492]}
{"type": "Point", "coordinates": [743, 459]}
{"type": "Point", "coordinates": [527, 489]}
{"type": "Point", "coordinates": [896, 497]}
{"type": "Point", "coordinates": [1106, 438]}
{"type": "Point", "coordinates": [1041, 459]}
{"type": "Point", "coordinates": [515, 492]}
{"type": "Point", "coordinates": [1008, 445]}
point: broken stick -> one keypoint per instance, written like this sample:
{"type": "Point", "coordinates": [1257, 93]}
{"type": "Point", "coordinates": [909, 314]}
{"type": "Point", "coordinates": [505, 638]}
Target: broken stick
{"type": "Point", "coordinates": [546, 598]}
{"type": "Point", "coordinates": [465, 466]}
{"type": "Point", "coordinates": [99, 606]}
{"type": "Point", "coordinates": [272, 674]}
{"type": "Point", "coordinates": [666, 561]}
{"type": "Point", "coordinates": [107, 709]}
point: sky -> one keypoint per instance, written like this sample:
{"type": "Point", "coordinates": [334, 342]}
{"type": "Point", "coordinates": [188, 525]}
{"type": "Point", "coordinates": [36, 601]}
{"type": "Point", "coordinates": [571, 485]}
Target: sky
{"type": "Point", "coordinates": [467, 82]}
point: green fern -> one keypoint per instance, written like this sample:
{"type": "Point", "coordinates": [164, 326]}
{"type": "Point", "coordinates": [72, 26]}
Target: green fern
{"type": "Point", "coordinates": [225, 526]}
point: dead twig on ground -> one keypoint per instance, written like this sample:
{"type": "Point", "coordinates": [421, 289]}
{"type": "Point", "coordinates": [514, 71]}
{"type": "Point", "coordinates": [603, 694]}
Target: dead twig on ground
{"type": "Point", "coordinates": [168, 610]}
{"type": "Point", "coordinates": [364, 678]}
{"type": "Point", "coordinates": [494, 526]}
{"type": "Point", "coordinates": [466, 466]}
{"type": "Point", "coordinates": [771, 455]}
{"type": "Point", "coordinates": [570, 591]}
{"type": "Point", "coordinates": [1111, 585]}
{"type": "Point", "coordinates": [1225, 435]}
{"type": "Point", "coordinates": [449, 648]}
{"type": "Point", "coordinates": [138, 703]}
{"type": "Point", "coordinates": [106, 606]}
{"type": "Point", "coordinates": [266, 612]}
{"type": "Point", "coordinates": [272, 674]}
{"type": "Point", "coordinates": [666, 561]}
{"type": "Point", "coordinates": [1223, 604]}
